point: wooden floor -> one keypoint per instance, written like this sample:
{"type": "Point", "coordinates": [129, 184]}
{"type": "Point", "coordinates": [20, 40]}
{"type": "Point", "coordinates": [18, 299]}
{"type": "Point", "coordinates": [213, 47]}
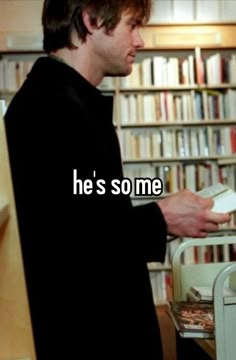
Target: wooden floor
{"type": "Point", "coordinates": [167, 334]}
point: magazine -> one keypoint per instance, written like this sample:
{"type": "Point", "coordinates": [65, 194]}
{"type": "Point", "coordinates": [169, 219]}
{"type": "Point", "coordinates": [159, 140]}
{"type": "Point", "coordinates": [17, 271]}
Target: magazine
{"type": "Point", "coordinates": [191, 319]}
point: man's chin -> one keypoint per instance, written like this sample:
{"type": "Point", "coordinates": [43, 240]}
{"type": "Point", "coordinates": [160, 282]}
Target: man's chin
{"type": "Point", "coordinates": [123, 72]}
{"type": "Point", "coordinates": [127, 71]}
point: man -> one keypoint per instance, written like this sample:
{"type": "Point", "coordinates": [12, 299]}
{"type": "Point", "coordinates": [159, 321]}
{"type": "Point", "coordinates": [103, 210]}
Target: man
{"type": "Point", "coordinates": [85, 250]}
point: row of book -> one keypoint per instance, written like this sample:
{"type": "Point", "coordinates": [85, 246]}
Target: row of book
{"type": "Point", "coordinates": [13, 73]}
{"type": "Point", "coordinates": [157, 71]}
{"type": "Point", "coordinates": [151, 144]}
{"type": "Point", "coordinates": [178, 176]}
{"type": "Point", "coordinates": [186, 106]}
{"type": "Point", "coordinates": [193, 10]}
{"type": "Point", "coordinates": [193, 69]}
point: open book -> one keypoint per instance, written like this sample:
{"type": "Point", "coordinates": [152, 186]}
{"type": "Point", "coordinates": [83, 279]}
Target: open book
{"type": "Point", "coordinates": [224, 197]}
{"type": "Point", "coordinates": [191, 319]}
{"type": "Point", "coordinates": [224, 200]}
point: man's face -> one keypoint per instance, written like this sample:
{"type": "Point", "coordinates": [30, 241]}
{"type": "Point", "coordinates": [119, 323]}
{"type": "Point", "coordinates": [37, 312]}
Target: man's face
{"type": "Point", "coordinates": [115, 52]}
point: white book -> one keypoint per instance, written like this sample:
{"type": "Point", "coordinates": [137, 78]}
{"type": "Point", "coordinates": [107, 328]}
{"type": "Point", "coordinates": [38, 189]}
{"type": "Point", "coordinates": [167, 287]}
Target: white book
{"type": "Point", "coordinates": [159, 70]}
{"type": "Point", "coordinates": [3, 107]}
{"type": "Point", "coordinates": [124, 109]}
{"type": "Point", "coordinates": [207, 10]}
{"type": "Point", "coordinates": [183, 10]}
{"type": "Point", "coordinates": [228, 10]}
{"type": "Point", "coordinates": [224, 197]}
{"type": "Point", "coordinates": [146, 70]}
{"type": "Point", "coordinates": [161, 11]}
{"type": "Point", "coordinates": [132, 109]}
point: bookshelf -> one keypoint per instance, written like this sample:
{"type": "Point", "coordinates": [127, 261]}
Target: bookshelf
{"type": "Point", "coordinates": [193, 11]}
{"type": "Point", "coordinates": [20, 42]}
{"type": "Point", "coordinates": [14, 67]}
{"type": "Point", "coordinates": [16, 340]}
{"type": "Point", "coordinates": [184, 121]}
{"type": "Point", "coordinates": [167, 122]}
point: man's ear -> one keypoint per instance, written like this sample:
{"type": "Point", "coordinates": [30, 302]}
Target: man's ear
{"type": "Point", "coordinates": [87, 22]}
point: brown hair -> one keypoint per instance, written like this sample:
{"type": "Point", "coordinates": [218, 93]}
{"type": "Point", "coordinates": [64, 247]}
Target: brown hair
{"type": "Point", "coordinates": [61, 17]}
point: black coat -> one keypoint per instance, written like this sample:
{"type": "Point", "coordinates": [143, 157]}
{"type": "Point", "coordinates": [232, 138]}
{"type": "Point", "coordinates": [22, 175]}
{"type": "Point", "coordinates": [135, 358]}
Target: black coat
{"type": "Point", "coordinates": [84, 254]}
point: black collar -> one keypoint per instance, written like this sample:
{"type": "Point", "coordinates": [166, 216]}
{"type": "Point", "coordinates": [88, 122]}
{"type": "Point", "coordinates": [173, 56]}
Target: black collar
{"type": "Point", "coordinates": [47, 69]}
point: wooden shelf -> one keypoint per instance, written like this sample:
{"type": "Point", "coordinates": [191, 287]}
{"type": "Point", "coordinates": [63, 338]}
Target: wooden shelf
{"type": "Point", "coordinates": [172, 124]}
{"type": "Point", "coordinates": [189, 23]}
{"type": "Point", "coordinates": [189, 36]}
{"type": "Point", "coordinates": [181, 87]}
{"type": "Point", "coordinates": [181, 159]}
{"type": "Point", "coordinates": [16, 340]}
{"type": "Point", "coordinates": [208, 346]}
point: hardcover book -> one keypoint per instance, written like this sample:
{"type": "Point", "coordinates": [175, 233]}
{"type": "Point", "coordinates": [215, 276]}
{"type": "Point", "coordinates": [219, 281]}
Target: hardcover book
{"type": "Point", "coordinates": [192, 319]}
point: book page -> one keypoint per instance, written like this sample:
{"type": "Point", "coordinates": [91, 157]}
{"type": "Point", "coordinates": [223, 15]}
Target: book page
{"type": "Point", "coordinates": [224, 197]}
{"type": "Point", "coordinates": [212, 190]}
{"type": "Point", "coordinates": [225, 202]}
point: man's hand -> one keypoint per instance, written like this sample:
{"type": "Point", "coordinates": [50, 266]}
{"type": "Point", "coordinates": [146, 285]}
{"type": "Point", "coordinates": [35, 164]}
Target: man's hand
{"type": "Point", "coordinates": [189, 215]}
